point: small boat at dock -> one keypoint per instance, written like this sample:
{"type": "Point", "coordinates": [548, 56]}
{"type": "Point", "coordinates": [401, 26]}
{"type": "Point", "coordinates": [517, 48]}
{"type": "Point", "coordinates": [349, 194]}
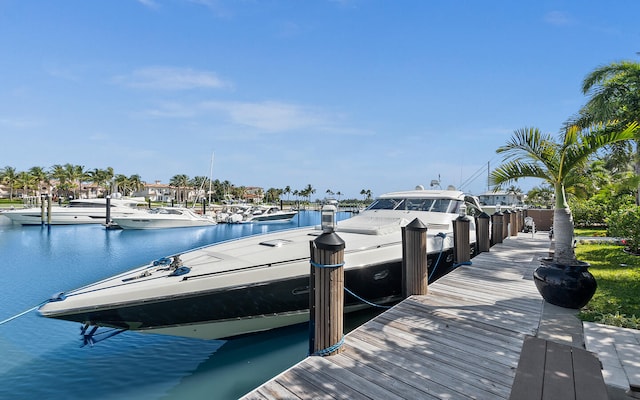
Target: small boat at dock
{"type": "Point", "coordinates": [270, 214]}
{"type": "Point", "coordinates": [163, 218]}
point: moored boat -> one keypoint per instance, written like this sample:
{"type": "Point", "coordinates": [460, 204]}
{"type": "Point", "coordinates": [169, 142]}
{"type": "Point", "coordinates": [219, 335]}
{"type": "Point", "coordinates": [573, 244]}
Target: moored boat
{"type": "Point", "coordinates": [271, 214]}
{"type": "Point", "coordinates": [79, 211]}
{"type": "Point", "coordinates": [163, 218]}
{"type": "Point", "coordinates": [262, 282]}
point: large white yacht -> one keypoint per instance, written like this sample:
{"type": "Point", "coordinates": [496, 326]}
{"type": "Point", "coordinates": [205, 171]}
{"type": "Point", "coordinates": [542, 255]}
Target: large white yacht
{"type": "Point", "coordinates": [262, 282]}
{"type": "Point", "coordinates": [79, 211]}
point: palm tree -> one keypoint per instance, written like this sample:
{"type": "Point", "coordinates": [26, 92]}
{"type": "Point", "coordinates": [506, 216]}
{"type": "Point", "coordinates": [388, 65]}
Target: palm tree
{"type": "Point", "coordinates": [135, 183]}
{"type": "Point", "coordinates": [309, 190]}
{"type": "Point", "coordinates": [100, 177]}
{"type": "Point", "coordinates": [9, 176]}
{"type": "Point", "coordinates": [75, 174]}
{"type": "Point", "coordinates": [40, 176]}
{"type": "Point", "coordinates": [59, 172]}
{"type": "Point", "coordinates": [122, 183]}
{"type": "Point", "coordinates": [26, 182]}
{"type": "Point", "coordinates": [541, 196]}
{"type": "Point", "coordinates": [531, 154]}
{"type": "Point", "coordinates": [615, 101]}
{"type": "Point", "coordinates": [287, 190]}
{"type": "Point", "coordinates": [180, 182]}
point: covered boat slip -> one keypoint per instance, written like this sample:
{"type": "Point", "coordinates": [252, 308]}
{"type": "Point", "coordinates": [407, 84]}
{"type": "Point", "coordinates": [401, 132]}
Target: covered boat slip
{"type": "Point", "coordinates": [461, 340]}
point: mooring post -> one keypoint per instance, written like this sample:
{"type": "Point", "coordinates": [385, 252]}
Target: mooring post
{"type": "Point", "coordinates": [514, 223]}
{"type": "Point", "coordinates": [496, 227]}
{"type": "Point", "coordinates": [415, 275]}
{"type": "Point", "coordinates": [42, 208]}
{"type": "Point", "coordinates": [506, 219]}
{"type": "Point", "coordinates": [108, 213]}
{"type": "Point", "coordinates": [49, 205]}
{"type": "Point", "coordinates": [326, 285]}
{"type": "Point", "coordinates": [461, 240]}
{"type": "Point", "coordinates": [482, 232]}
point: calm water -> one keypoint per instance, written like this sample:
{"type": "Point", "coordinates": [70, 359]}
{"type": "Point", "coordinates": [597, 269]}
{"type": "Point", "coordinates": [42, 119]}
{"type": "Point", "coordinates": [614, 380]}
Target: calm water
{"type": "Point", "coordinates": [42, 358]}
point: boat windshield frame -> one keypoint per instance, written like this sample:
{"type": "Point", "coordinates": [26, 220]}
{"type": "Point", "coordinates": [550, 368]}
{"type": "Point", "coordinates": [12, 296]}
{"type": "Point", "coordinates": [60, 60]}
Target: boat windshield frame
{"type": "Point", "coordinates": [439, 205]}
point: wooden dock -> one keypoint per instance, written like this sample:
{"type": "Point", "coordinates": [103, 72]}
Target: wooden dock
{"type": "Point", "coordinates": [462, 340]}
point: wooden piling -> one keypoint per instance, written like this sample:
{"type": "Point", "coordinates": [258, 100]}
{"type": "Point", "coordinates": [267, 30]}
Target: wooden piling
{"type": "Point", "coordinates": [482, 232]}
{"type": "Point", "coordinates": [326, 295]}
{"type": "Point", "coordinates": [506, 219]}
{"type": "Point", "coordinates": [42, 209]}
{"type": "Point", "coordinates": [514, 223]}
{"type": "Point", "coordinates": [415, 275]}
{"type": "Point", "coordinates": [108, 211]}
{"type": "Point", "coordinates": [496, 228]}
{"type": "Point", "coordinates": [461, 241]}
{"type": "Point", "coordinates": [49, 210]}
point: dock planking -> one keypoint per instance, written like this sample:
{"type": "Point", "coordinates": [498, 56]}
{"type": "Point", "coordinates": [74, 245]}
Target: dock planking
{"type": "Point", "coordinates": [461, 340]}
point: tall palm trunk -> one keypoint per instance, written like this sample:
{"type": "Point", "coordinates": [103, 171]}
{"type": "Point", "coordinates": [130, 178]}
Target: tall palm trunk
{"type": "Point", "coordinates": [563, 236]}
{"type": "Point", "coordinates": [564, 253]}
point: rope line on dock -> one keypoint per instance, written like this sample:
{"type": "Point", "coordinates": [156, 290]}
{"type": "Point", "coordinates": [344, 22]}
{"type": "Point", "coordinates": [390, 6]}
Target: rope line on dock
{"type": "Point", "coordinates": [364, 300]}
{"type": "Point", "coordinates": [326, 265]}
{"type": "Point", "coordinates": [330, 349]}
{"type": "Point", "coordinates": [435, 266]}
{"type": "Point", "coordinates": [462, 263]}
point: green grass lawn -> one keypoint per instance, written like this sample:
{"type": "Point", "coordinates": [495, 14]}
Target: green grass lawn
{"type": "Point", "coordinates": [617, 299]}
{"type": "Point", "coordinates": [590, 232]}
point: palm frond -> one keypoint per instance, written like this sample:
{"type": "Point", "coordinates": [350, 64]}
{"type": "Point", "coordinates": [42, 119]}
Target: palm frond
{"type": "Point", "coordinates": [514, 170]}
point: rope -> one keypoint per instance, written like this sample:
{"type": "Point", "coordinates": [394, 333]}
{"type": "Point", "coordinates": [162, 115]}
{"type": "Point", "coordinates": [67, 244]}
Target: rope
{"type": "Point", "coordinates": [326, 265]}
{"type": "Point", "coordinates": [329, 349]}
{"type": "Point", "coordinates": [23, 313]}
{"type": "Point", "coordinates": [435, 266]}
{"type": "Point", "coordinates": [462, 263]}
{"type": "Point", "coordinates": [363, 300]}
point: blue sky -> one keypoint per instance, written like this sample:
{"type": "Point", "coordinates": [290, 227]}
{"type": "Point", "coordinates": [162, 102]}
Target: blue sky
{"type": "Point", "coordinates": [343, 95]}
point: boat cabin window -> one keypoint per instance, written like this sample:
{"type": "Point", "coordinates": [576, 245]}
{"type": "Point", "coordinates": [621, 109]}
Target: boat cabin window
{"type": "Point", "coordinates": [417, 204]}
{"type": "Point", "coordinates": [87, 204]}
{"type": "Point", "coordinates": [387, 204]}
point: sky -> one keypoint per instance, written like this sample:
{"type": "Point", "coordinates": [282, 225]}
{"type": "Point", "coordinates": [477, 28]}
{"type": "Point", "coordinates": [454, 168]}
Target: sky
{"type": "Point", "coordinates": [342, 95]}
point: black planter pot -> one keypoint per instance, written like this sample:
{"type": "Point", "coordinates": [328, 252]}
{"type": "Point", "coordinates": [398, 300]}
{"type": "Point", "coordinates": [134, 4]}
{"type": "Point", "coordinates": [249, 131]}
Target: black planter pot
{"type": "Point", "coordinates": [568, 286]}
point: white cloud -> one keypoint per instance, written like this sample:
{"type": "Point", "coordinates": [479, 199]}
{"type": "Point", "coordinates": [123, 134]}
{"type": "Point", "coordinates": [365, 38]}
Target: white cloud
{"type": "Point", "coordinates": [171, 110]}
{"type": "Point", "coordinates": [558, 18]}
{"type": "Point", "coordinates": [270, 116]}
{"type": "Point", "coordinates": [149, 4]}
{"type": "Point", "coordinates": [170, 78]}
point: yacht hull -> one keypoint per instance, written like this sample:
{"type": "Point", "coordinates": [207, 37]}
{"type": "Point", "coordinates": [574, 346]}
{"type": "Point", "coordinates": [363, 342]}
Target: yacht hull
{"type": "Point", "coordinates": [244, 309]}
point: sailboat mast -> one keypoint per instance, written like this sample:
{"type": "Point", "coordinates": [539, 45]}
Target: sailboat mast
{"type": "Point", "coordinates": [210, 177]}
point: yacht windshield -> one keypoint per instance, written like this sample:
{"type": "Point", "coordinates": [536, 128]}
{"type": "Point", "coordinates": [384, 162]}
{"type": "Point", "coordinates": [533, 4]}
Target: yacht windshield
{"type": "Point", "coordinates": [417, 204]}
{"type": "Point", "coordinates": [387, 204]}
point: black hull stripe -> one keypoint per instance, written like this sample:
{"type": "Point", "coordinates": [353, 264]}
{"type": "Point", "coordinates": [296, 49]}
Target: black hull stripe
{"type": "Point", "coordinates": [374, 283]}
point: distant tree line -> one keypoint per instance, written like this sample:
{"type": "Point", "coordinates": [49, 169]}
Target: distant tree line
{"type": "Point", "coordinates": [69, 181]}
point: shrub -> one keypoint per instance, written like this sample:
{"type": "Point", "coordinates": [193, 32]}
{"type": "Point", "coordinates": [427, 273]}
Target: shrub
{"type": "Point", "coordinates": [588, 213]}
{"type": "Point", "coordinates": [620, 320]}
{"type": "Point", "coordinates": [625, 223]}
